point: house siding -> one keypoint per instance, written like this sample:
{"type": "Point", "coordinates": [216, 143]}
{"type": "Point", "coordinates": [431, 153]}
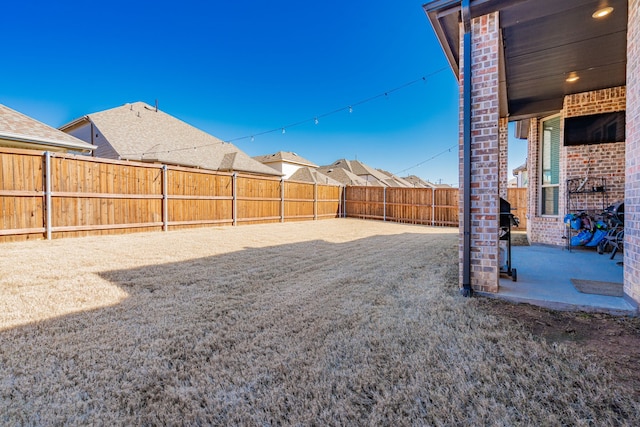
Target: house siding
{"type": "Point", "coordinates": [104, 150]}
{"type": "Point", "coordinates": [595, 160]}
{"type": "Point", "coordinates": [485, 153]}
{"type": "Point", "coordinates": [632, 184]}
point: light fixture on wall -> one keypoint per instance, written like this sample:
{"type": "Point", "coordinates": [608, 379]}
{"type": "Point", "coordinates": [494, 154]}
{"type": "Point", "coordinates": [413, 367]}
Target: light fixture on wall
{"type": "Point", "coordinates": [602, 12]}
{"type": "Point", "coordinates": [572, 78]}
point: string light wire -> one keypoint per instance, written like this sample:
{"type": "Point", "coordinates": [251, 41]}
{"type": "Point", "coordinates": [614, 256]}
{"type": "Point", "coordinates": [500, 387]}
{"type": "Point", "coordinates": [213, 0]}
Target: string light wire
{"type": "Point", "coordinates": [315, 119]}
{"type": "Point", "coordinates": [448, 150]}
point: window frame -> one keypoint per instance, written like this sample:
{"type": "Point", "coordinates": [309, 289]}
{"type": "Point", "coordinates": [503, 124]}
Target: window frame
{"type": "Point", "coordinates": [541, 185]}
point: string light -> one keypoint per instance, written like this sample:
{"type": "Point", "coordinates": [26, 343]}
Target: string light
{"type": "Point", "coordinates": [315, 119]}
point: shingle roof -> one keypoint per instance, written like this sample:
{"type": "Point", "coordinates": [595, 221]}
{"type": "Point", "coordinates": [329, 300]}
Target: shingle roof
{"type": "Point", "coordinates": [416, 181]}
{"type": "Point", "coordinates": [363, 170]}
{"type": "Point", "coordinates": [395, 181]}
{"type": "Point", "coordinates": [342, 175]}
{"type": "Point", "coordinates": [17, 128]}
{"type": "Point", "coordinates": [138, 131]}
{"type": "Point", "coordinates": [308, 174]}
{"type": "Point", "coordinates": [285, 157]}
{"type": "Point", "coordinates": [521, 168]}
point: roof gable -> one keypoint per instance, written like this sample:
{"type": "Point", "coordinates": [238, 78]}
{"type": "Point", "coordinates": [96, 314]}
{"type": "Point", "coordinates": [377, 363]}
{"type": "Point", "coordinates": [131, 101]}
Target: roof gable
{"type": "Point", "coordinates": [360, 169]}
{"type": "Point", "coordinates": [23, 130]}
{"type": "Point", "coordinates": [284, 157]}
{"type": "Point", "coordinates": [140, 132]}
{"type": "Point", "coordinates": [342, 175]}
{"type": "Point", "coordinates": [307, 174]}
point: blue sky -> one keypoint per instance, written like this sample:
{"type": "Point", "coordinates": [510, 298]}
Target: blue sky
{"type": "Point", "coordinates": [236, 69]}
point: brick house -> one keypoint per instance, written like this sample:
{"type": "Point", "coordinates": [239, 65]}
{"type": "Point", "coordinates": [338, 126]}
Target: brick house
{"type": "Point", "coordinates": [557, 69]}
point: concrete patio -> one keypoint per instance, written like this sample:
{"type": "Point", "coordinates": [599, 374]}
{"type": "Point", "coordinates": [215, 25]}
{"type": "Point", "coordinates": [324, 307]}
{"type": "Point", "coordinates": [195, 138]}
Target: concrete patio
{"type": "Point", "coordinates": [544, 278]}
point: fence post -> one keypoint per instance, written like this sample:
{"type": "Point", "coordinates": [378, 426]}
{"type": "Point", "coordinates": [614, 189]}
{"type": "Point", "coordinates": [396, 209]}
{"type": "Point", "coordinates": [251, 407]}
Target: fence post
{"type": "Point", "coordinates": [165, 198]}
{"type": "Point", "coordinates": [282, 199]}
{"type": "Point", "coordinates": [234, 208]}
{"type": "Point", "coordinates": [315, 201]}
{"type": "Point", "coordinates": [433, 207]}
{"type": "Point", "coordinates": [344, 202]}
{"type": "Point", "coordinates": [384, 203]}
{"type": "Point", "coordinates": [47, 192]}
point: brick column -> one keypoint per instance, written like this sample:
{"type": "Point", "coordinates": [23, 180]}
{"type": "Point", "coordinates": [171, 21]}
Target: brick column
{"type": "Point", "coordinates": [485, 153]}
{"type": "Point", "coordinates": [632, 184]}
{"type": "Point", "coordinates": [503, 138]}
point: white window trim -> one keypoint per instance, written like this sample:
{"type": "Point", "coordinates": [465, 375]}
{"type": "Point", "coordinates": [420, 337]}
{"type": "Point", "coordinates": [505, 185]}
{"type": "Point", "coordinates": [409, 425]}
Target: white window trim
{"type": "Point", "coordinates": [540, 184]}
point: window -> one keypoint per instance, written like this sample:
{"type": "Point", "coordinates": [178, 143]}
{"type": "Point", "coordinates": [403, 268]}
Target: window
{"type": "Point", "coordinates": [550, 166]}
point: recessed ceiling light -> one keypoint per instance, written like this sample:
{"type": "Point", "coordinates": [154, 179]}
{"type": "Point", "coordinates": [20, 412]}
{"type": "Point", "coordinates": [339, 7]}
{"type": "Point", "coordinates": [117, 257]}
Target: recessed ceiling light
{"type": "Point", "coordinates": [601, 13]}
{"type": "Point", "coordinates": [573, 77]}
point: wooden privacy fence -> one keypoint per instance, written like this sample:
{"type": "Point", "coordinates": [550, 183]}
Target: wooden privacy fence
{"type": "Point", "coordinates": [53, 195]}
{"type": "Point", "coordinates": [430, 206]}
{"type": "Point", "coordinates": [518, 199]}
{"type": "Point", "coordinates": [438, 207]}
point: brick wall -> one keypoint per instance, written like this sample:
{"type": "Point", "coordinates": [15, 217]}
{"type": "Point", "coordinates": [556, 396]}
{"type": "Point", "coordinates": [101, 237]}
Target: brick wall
{"type": "Point", "coordinates": [534, 177]}
{"type": "Point", "coordinates": [632, 186]}
{"type": "Point", "coordinates": [503, 137]}
{"type": "Point", "coordinates": [485, 153]}
{"type": "Point", "coordinates": [601, 160]}
{"type": "Point", "coordinates": [596, 160]}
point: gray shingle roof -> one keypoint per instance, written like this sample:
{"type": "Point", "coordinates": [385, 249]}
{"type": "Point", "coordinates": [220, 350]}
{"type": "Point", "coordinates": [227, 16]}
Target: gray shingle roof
{"type": "Point", "coordinates": [342, 175]}
{"type": "Point", "coordinates": [16, 129]}
{"type": "Point", "coordinates": [139, 132]}
{"type": "Point", "coordinates": [395, 181]}
{"type": "Point", "coordinates": [285, 157]}
{"type": "Point", "coordinates": [308, 174]}
{"type": "Point", "coordinates": [365, 172]}
{"type": "Point", "coordinates": [416, 181]}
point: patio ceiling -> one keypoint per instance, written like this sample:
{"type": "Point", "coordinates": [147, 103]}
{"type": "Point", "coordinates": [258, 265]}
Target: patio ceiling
{"type": "Point", "coordinates": [544, 42]}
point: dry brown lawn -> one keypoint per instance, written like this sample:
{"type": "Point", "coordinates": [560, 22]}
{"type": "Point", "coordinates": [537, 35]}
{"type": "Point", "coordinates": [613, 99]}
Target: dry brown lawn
{"type": "Point", "coordinates": [337, 322]}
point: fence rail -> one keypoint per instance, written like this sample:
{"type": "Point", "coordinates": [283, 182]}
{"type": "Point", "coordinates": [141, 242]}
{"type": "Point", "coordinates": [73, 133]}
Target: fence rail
{"type": "Point", "coordinates": [55, 195]}
{"type": "Point", "coordinates": [437, 207]}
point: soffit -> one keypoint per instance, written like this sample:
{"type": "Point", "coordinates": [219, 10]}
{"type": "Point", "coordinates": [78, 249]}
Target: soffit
{"type": "Point", "coordinates": [544, 41]}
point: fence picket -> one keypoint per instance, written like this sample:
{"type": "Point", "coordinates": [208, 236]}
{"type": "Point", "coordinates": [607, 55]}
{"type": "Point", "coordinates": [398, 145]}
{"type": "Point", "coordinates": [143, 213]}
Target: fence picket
{"type": "Point", "coordinates": [53, 195]}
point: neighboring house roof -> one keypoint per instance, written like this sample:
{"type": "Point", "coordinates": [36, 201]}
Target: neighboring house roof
{"type": "Point", "coordinates": [434, 185]}
{"type": "Point", "coordinates": [343, 176]}
{"type": "Point", "coordinates": [364, 171]}
{"type": "Point", "coordinates": [307, 174]}
{"type": "Point", "coordinates": [416, 181]}
{"type": "Point", "coordinates": [521, 168]}
{"type": "Point", "coordinates": [140, 132]}
{"type": "Point", "coordinates": [284, 157]}
{"type": "Point", "coordinates": [20, 131]}
{"type": "Point", "coordinates": [395, 181]}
